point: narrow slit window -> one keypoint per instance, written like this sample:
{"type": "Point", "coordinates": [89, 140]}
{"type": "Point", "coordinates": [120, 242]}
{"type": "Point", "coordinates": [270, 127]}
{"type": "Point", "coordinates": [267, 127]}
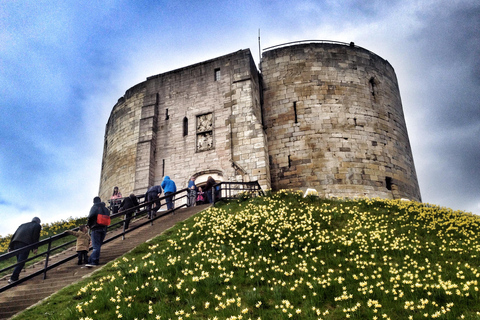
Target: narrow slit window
{"type": "Point", "coordinates": [185, 126]}
{"type": "Point", "coordinates": [295, 111]}
{"type": "Point", "coordinates": [388, 182]}
{"type": "Point", "coordinates": [373, 87]}
{"type": "Point", "coordinates": [217, 74]}
{"type": "Point", "coordinates": [166, 114]}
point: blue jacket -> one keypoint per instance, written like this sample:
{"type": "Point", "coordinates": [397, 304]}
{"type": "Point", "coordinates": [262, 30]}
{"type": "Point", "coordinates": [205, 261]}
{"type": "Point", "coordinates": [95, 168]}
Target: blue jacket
{"type": "Point", "coordinates": [192, 184]}
{"type": "Point", "coordinates": [168, 185]}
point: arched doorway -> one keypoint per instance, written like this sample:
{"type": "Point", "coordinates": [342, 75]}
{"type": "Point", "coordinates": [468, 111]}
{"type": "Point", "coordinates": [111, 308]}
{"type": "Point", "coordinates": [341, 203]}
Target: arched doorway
{"type": "Point", "coordinates": [201, 177]}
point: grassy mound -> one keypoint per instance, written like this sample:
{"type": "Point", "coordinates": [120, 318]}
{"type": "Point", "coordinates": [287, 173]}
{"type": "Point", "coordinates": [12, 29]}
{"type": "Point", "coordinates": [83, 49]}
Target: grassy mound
{"type": "Point", "coordinates": [283, 256]}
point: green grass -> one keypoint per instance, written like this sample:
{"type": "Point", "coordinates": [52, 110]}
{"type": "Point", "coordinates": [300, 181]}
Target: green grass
{"type": "Point", "coordinates": [286, 257]}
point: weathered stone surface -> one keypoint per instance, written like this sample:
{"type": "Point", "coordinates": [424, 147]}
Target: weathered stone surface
{"type": "Point", "coordinates": [161, 130]}
{"type": "Point", "coordinates": [354, 99]}
{"type": "Point", "coordinates": [320, 115]}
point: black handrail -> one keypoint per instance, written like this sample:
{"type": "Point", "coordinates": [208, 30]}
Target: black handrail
{"type": "Point", "coordinates": [232, 190]}
{"type": "Point", "coordinates": [139, 211]}
{"type": "Point", "coordinates": [227, 191]}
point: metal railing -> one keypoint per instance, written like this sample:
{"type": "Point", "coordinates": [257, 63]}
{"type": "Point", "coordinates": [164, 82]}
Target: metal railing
{"type": "Point", "coordinates": [288, 44]}
{"type": "Point", "coordinates": [51, 248]}
{"type": "Point", "coordinates": [232, 190]}
{"type": "Point", "coordinates": [221, 191]}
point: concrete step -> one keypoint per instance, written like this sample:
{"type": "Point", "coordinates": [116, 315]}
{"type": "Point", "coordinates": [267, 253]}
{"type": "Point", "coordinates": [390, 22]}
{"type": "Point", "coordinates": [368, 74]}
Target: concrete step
{"type": "Point", "coordinates": [22, 303]}
{"type": "Point", "coordinates": [8, 296]}
{"type": "Point", "coordinates": [7, 314]}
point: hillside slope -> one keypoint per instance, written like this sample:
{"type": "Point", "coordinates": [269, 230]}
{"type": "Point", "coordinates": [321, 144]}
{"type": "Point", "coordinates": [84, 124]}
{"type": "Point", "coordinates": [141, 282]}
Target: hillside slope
{"type": "Point", "coordinates": [286, 257]}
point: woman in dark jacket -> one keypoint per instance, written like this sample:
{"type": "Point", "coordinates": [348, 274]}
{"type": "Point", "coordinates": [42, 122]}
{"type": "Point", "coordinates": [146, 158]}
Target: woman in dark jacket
{"type": "Point", "coordinates": [209, 188]}
{"type": "Point", "coordinates": [128, 203]}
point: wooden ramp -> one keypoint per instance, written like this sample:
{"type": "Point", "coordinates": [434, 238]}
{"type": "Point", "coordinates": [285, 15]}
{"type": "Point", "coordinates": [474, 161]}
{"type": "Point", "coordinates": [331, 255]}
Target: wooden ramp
{"type": "Point", "coordinates": [26, 294]}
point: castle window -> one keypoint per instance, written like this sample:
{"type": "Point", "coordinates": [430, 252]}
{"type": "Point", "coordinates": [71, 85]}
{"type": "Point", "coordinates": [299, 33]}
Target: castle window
{"type": "Point", "coordinates": [204, 132]}
{"type": "Point", "coordinates": [373, 87]}
{"type": "Point", "coordinates": [166, 114]}
{"type": "Point", "coordinates": [185, 126]}
{"type": "Point", "coordinates": [295, 110]}
{"type": "Point", "coordinates": [217, 74]}
{"type": "Point", "coordinates": [388, 182]}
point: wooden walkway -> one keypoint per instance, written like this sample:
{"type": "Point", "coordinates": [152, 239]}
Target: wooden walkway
{"type": "Point", "coordinates": [29, 293]}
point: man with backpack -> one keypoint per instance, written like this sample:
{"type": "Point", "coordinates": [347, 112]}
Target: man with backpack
{"type": "Point", "coordinates": [98, 221]}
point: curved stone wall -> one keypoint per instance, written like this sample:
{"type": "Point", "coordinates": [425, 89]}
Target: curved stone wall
{"type": "Point", "coordinates": [334, 122]}
{"type": "Point", "coordinates": [120, 145]}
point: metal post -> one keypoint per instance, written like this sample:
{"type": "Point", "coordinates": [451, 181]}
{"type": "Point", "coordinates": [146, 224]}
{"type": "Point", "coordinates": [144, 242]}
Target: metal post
{"type": "Point", "coordinates": [259, 50]}
{"type": "Point", "coordinates": [46, 259]}
{"type": "Point", "coordinates": [151, 217]}
{"type": "Point", "coordinates": [124, 221]}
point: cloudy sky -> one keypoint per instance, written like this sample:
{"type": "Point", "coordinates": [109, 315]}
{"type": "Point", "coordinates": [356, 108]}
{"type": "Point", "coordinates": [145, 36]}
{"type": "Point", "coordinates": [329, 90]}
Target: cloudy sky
{"type": "Point", "coordinates": [64, 64]}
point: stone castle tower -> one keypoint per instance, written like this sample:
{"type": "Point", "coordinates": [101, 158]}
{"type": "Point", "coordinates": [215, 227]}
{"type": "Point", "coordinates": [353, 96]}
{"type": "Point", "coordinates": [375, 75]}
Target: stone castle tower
{"type": "Point", "coordinates": [323, 115]}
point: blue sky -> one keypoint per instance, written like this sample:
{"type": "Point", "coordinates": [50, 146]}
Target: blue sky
{"type": "Point", "coordinates": [64, 64]}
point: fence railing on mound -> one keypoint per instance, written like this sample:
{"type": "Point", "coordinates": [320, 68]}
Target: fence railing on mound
{"type": "Point", "coordinates": [49, 246]}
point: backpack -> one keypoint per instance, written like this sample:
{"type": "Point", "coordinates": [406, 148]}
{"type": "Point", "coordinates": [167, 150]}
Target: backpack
{"type": "Point", "coordinates": [103, 219]}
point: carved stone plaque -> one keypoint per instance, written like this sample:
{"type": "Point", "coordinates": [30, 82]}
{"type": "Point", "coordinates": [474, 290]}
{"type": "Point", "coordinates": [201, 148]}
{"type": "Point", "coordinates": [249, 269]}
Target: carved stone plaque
{"type": "Point", "coordinates": [204, 122]}
{"type": "Point", "coordinates": [204, 132]}
{"type": "Point", "coordinates": [204, 141]}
